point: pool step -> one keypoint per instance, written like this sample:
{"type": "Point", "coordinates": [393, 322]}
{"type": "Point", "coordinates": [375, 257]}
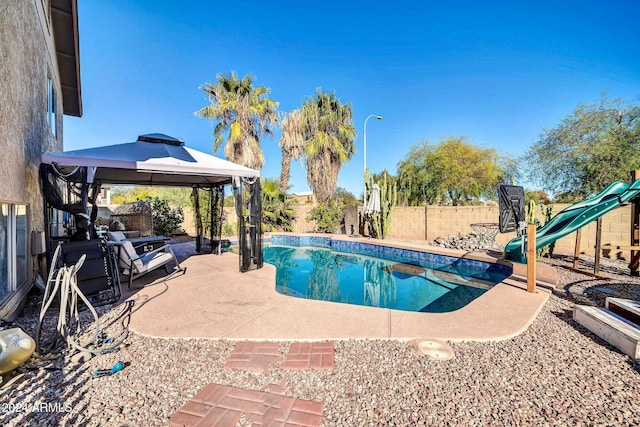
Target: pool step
{"type": "Point", "coordinates": [627, 308]}
{"type": "Point", "coordinates": [614, 329]}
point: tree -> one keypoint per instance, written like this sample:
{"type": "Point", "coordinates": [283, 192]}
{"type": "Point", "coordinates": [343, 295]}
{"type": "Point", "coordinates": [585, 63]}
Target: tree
{"type": "Point", "coordinates": [392, 180]}
{"type": "Point", "coordinates": [538, 196]}
{"type": "Point", "coordinates": [327, 215]}
{"type": "Point", "coordinates": [278, 211]}
{"type": "Point", "coordinates": [454, 171]}
{"type": "Point", "coordinates": [175, 196]}
{"type": "Point", "coordinates": [166, 220]}
{"type": "Point", "coordinates": [589, 149]}
{"type": "Point", "coordinates": [510, 168]}
{"type": "Point", "coordinates": [245, 112]}
{"type": "Point", "coordinates": [329, 141]}
{"type": "Point", "coordinates": [416, 183]}
{"type": "Point", "coordinates": [346, 197]}
{"type": "Point", "coordinates": [292, 144]}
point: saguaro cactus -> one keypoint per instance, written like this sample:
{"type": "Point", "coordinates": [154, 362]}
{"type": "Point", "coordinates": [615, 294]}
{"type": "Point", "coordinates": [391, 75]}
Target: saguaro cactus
{"type": "Point", "coordinates": [379, 222]}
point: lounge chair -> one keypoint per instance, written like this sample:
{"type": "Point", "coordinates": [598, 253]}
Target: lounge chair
{"type": "Point", "coordinates": [137, 265]}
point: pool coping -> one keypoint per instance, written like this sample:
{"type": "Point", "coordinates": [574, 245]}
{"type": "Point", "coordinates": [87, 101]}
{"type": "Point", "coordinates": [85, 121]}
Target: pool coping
{"type": "Point", "coordinates": [546, 276]}
{"type": "Point", "coordinates": [214, 300]}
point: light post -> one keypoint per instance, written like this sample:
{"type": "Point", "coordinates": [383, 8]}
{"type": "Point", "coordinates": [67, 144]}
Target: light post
{"type": "Point", "coordinates": [364, 195]}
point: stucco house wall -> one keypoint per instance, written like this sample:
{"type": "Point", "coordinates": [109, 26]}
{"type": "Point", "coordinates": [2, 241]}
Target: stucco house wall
{"type": "Point", "coordinates": [27, 61]}
{"type": "Point", "coordinates": [27, 58]}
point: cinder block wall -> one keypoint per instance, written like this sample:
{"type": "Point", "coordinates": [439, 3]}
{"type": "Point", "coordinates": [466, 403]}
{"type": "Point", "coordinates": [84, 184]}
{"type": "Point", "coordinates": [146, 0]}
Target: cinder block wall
{"type": "Point", "coordinates": [616, 230]}
{"type": "Point", "coordinates": [301, 225]}
{"type": "Point", "coordinates": [408, 223]}
{"type": "Point", "coordinates": [189, 223]}
{"type": "Point", "coordinates": [430, 222]}
{"type": "Point", "coordinates": [444, 221]}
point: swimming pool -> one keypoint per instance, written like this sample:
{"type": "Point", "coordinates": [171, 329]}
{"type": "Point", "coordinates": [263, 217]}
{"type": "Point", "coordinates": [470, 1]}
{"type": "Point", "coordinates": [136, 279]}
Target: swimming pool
{"type": "Point", "coordinates": [394, 278]}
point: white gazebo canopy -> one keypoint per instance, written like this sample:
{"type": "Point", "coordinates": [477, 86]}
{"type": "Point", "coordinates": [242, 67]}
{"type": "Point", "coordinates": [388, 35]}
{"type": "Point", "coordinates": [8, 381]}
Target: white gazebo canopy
{"type": "Point", "coordinates": [154, 159]}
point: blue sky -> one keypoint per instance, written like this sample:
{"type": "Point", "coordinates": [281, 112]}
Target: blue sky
{"type": "Point", "coordinates": [498, 72]}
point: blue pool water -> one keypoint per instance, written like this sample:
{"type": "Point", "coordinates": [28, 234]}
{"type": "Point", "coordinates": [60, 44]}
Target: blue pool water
{"type": "Point", "coordinates": [411, 285]}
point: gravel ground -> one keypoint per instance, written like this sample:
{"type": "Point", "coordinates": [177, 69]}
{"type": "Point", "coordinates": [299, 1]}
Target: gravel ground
{"type": "Point", "coordinates": [556, 373]}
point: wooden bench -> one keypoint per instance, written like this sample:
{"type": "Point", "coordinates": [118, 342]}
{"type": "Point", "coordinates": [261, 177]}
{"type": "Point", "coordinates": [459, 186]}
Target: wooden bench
{"type": "Point", "coordinates": [611, 327]}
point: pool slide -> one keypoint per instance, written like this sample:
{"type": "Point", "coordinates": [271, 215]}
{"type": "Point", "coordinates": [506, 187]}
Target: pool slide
{"type": "Point", "coordinates": [576, 216]}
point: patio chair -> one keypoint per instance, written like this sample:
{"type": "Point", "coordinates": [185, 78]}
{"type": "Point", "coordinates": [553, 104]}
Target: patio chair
{"type": "Point", "coordinates": [137, 265]}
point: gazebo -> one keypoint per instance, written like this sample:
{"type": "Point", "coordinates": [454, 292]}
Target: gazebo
{"type": "Point", "coordinates": [72, 179]}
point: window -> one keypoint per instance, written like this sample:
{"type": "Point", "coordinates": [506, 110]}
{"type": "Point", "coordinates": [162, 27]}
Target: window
{"type": "Point", "coordinates": [52, 117]}
{"type": "Point", "coordinates": [14, 261]}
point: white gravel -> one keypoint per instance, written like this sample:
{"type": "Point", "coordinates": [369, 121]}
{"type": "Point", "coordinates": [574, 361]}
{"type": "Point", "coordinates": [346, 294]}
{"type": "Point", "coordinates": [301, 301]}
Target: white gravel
{"type": "Point", "coordinates": [556, 373]}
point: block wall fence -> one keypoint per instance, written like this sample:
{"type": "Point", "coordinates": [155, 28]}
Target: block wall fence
{"type": "Point", "coordinates": [430, 222]}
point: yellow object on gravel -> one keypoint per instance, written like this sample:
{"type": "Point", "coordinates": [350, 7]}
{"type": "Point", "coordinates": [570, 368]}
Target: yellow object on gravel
{"type": "Point", "coordinates": [16, 347]}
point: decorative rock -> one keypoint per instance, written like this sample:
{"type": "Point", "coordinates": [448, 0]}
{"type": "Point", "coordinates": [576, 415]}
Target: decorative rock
{"type": "Point", "coordinates": [466, 242]}
{"type": "Point", "coordinates": [81, 357]}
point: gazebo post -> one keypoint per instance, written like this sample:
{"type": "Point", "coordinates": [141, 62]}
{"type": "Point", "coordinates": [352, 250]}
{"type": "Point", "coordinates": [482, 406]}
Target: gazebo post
{"type": "Point", "coordinates": [198, 217]}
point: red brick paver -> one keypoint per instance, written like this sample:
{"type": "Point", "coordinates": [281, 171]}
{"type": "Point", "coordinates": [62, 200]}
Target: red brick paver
{"type": "Point", "coordinates": [308, 355]}
{"type": "Point", "coordinates": [254, 356]}
{"type": "Point", "coordinates": [219, 405]}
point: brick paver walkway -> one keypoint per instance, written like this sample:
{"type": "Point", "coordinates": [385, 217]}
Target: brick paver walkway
{"type": "Point", "coordinates": [259, 356]}
{"type": "Point", "coordinates": [219, 405]}
{"type": "Point", "coordinates": [254, 356]}
{"type": "Point", "coordinates": [309, 355]}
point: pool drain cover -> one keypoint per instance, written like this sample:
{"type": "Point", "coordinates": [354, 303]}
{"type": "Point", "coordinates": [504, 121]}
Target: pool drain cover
{"type": "Point", "coordinates": [435, 349]}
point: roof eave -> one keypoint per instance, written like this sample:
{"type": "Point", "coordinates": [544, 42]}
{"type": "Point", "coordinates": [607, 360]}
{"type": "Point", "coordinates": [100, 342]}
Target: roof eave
{"type": "Point", "coordinates": [64, 20]}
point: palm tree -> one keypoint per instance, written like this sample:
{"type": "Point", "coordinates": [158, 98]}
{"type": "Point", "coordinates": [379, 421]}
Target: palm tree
{"type": "Point", "coordinates": [292, 144]}
{"type": "Point", "coordinates": [245, 112]}
{"type": "Point", "coordinates": [278, 210]}
{"type": "Point", "coordinates": [329, 141]}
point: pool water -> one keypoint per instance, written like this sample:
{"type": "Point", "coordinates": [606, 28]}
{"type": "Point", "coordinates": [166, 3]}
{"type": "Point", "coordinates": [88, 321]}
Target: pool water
{"type": "Point", "coordinates": [322, 274]}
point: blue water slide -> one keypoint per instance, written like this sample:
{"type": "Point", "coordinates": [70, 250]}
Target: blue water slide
{"type": "Point", "coordinates": [575, 217]}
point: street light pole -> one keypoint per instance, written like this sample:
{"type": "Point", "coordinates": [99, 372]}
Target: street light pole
{"type": "Point", "coordinates": [364, 195]}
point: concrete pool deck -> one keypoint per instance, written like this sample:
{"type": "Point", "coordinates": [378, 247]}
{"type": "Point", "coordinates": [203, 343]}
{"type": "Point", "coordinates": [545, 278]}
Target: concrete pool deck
{"type": "Point", "coordinates": [214, 300]}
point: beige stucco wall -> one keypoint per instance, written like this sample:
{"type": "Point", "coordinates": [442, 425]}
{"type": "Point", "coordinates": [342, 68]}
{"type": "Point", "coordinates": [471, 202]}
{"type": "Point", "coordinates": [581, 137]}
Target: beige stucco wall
{"type": "Point", "coordinates": [27, 58]}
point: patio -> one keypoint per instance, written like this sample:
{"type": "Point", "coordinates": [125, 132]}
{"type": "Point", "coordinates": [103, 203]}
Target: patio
{"type": "Point", "coordinates": [214, 300]}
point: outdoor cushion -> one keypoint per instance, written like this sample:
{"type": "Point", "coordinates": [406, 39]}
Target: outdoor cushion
{"type": "Point", "coordinates": [128, 254]}
{"type": "Point", "coordinates": [116, 236]}
{"type": "Point", "coordinates": [153, 260]}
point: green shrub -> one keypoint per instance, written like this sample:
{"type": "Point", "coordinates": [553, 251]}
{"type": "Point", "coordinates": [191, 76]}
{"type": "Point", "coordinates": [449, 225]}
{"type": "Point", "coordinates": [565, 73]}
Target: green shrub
{"type": "Point", "coordinates": [166, 220]}
{"type": "Point", "coordinates": [229, 229]}
{"type": "Point", "coordinates": [278, 209]}
{"type": "Point", "coordinates": [328, 216]}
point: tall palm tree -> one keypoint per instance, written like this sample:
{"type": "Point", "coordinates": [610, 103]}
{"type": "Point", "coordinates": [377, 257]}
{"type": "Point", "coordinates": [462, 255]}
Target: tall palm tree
{"type": "Point", "coordinates": [292, 143]}
{"type": "Point", "coordinates": [243, 110]}
{"type": "Point", "coordinates": [329, 141]}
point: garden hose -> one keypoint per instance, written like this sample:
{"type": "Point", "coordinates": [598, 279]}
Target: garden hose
{"type": "Point", "coordinates": [64, 282]}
